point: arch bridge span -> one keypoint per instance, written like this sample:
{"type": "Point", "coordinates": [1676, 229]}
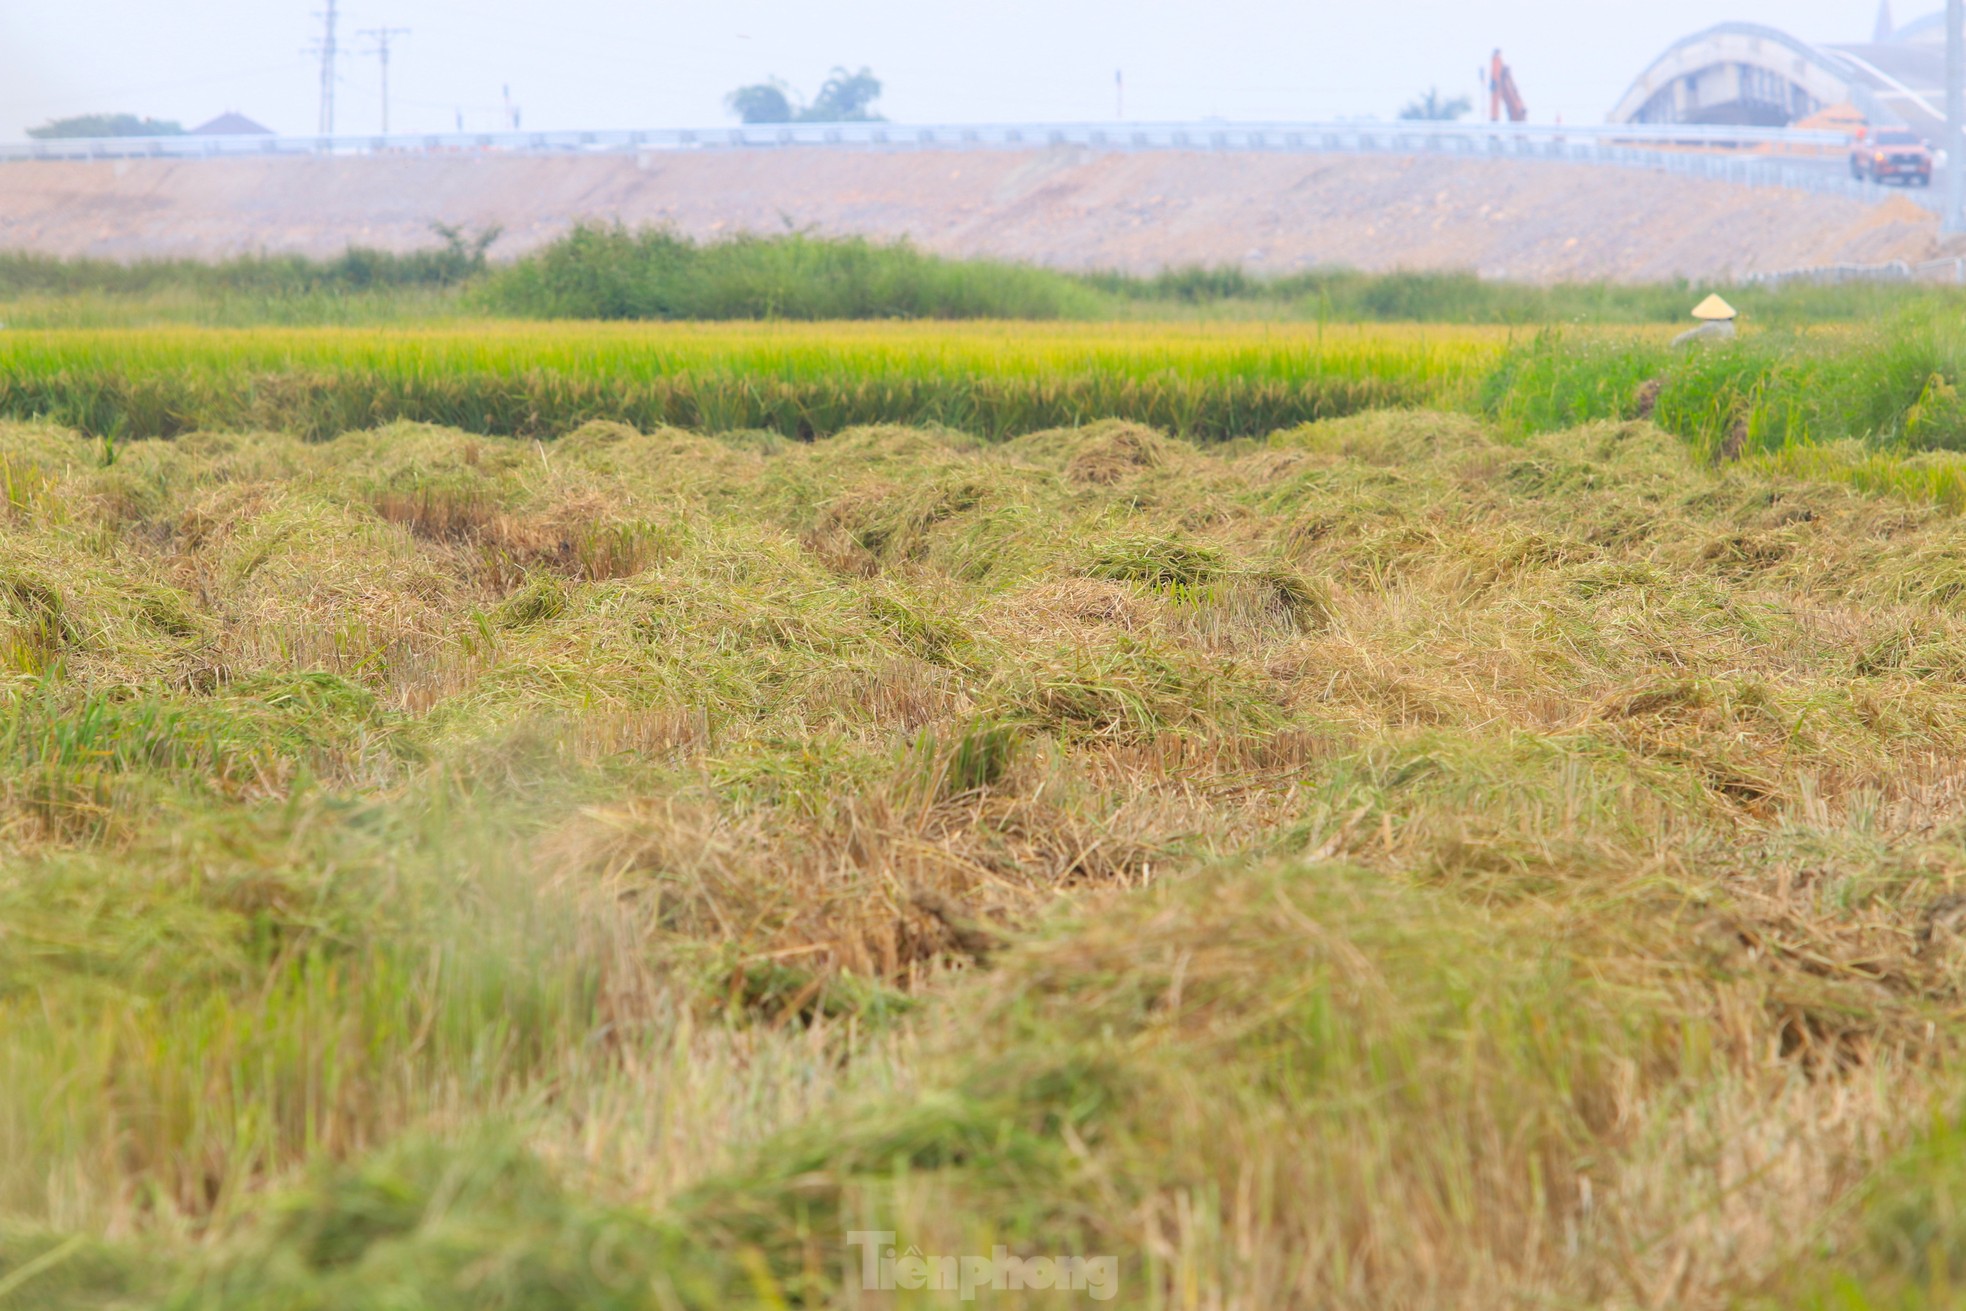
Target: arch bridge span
{"type": "Point", "coordinates": [1747, 74]}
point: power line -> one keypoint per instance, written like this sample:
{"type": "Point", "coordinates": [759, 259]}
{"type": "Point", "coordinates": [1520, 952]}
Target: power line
{"type": "Point", "coordinates": [381, 36]}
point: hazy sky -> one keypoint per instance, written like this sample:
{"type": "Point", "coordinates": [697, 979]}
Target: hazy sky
{"type": "Point", "coordinates": [616, 64]}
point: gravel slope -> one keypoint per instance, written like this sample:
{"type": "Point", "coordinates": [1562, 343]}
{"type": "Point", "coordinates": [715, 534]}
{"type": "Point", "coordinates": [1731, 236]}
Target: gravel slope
{"type": "Point", "coordinates": [1529, 220]}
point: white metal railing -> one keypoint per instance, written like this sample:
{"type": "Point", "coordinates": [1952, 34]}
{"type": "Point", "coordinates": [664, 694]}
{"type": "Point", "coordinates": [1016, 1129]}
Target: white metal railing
{"type": "Point", "coordinates": [1811, 161]}
{"type": "Point", "coordinates": [1398, 134]}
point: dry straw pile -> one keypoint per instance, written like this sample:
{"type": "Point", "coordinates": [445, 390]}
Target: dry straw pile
{"type": "Point", "coordinates": [1378, 866]}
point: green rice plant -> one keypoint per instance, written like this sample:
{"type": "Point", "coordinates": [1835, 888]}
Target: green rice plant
{"type": "Point", "coordinates": [1933, 477]}
{"type": "Point", "coordinates": [991, 380]}
{"type": "Point", "coordinates": [1890, 385]}
{"type": "Point", "coordinates": [1893, 386]}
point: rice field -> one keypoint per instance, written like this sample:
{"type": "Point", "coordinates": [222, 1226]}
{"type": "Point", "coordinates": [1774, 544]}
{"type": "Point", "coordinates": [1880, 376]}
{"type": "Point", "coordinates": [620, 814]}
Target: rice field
{"type": "Point", "coordinates": [1889, 387]}
{"type": "Point", "coordinates": [1228, 817]}
{"type": "Point", "coordinates": [536, 380]}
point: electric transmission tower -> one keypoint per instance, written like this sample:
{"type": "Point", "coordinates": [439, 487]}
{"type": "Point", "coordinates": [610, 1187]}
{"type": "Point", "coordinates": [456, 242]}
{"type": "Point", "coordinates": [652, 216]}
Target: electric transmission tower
{"type": "Point", "coordinates": [326, 49]}
{"type": "Point", "coordinates": [381, 36]}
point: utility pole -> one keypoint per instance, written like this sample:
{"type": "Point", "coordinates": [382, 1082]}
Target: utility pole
{"type": "Point", "coordinates": [381, 36]}
{"type": "Point", "coordinates": [1955, 116]}
{"type": "Point", "coordinates": [327, 70]}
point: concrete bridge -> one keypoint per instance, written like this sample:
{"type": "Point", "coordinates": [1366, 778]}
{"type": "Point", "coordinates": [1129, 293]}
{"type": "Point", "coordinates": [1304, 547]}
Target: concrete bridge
{"type": "Point", "coordinates": [1748, 74]}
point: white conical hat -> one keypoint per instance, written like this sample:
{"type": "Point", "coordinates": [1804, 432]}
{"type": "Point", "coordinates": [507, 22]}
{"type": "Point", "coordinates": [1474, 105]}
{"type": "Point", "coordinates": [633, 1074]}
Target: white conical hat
{"type": "Point", "coordinates": [1712, 308]}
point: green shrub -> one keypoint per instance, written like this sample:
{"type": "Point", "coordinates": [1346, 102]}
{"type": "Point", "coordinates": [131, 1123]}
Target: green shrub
{"type": "Point", "coordinates": [603, 272]}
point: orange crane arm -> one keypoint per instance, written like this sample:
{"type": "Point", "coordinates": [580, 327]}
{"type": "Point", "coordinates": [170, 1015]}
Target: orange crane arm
{"type": "Point", "coordinates": [1502, 93]}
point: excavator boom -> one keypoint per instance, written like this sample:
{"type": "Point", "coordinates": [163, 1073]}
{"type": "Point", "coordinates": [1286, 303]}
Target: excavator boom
{"type": "Point", "coordinates": [1502, 93]}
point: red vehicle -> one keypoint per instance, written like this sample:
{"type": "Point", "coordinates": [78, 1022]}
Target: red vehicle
{"type": "Point", "coordinates": [1893, 154]}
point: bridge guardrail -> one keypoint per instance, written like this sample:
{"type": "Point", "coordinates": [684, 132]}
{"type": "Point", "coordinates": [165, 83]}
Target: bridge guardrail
{"type": "Point", "coordinates": [1810, 161]}
{"type": "Point", "coordinates": [1951, 270]}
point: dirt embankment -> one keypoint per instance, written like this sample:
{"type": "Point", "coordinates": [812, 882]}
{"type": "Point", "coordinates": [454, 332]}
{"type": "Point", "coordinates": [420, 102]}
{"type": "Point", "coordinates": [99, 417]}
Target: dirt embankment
{"type": "Point", "coordinates": [1073, 209]}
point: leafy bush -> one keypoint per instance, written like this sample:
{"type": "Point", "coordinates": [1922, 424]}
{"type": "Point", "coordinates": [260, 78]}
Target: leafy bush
{"type": "Point", "coordinates": [105, 125]}
{"type": "Point", "coordinates": [609, 272]}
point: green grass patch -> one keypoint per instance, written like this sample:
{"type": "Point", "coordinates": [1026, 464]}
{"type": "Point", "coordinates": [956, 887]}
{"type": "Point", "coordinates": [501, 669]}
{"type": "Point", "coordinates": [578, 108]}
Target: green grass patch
{"type": "Point", "coordinates": [598, 271]}
{"type": "Point", "coordinates": [1892, 386]}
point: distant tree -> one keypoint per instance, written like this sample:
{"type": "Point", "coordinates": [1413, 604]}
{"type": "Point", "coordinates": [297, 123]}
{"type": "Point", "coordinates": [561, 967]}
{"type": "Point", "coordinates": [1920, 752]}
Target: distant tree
{"type": "Point", "coordinates": [1432, 109]}
{"type": "Point", "coordinates": [845, 98]}
{"type": "Point", "coordinates": [106, 125]}
{"type": "Point", "coordinates": [764, 102]}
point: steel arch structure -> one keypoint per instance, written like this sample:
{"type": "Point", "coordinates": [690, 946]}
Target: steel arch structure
{"type": "Point", "coordinates": [1750, 74]}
